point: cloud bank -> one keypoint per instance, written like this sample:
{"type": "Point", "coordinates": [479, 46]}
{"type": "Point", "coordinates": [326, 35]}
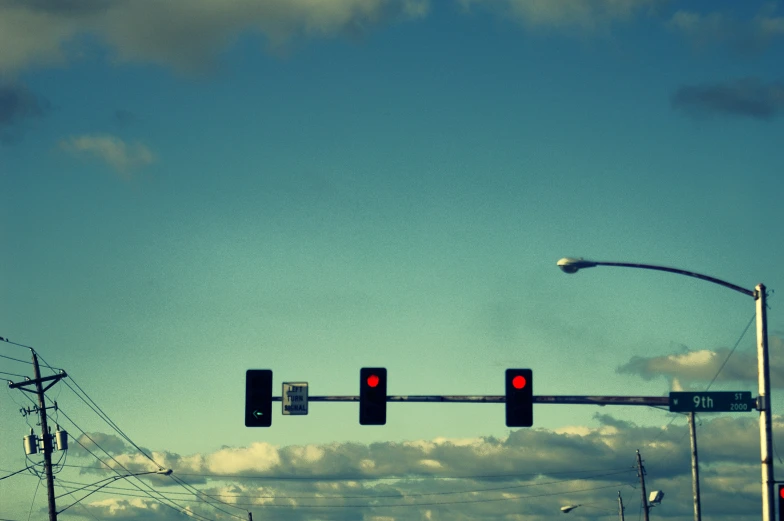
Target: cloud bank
{"type": "Point", "coordinates": [697, 368]}
{"type": "Point", "coordinates": [528, 475]}
{"type": "Point", "coordinates": [186, 36]}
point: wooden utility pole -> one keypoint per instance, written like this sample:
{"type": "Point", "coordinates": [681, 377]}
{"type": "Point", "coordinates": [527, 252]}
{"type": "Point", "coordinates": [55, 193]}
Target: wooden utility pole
{"type": "Point", "coordinates": [45, 435]}
{"type": "Point", "coordinates": [620, 506]}
{"type": "Point", "coordinates": [641, 472]}
{"type": "Point", "coordinates": [47, 440]}
{"type": "Point", "coordinates": [695, 469]}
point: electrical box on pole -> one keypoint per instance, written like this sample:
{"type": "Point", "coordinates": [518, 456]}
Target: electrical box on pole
{"type": "Point", "coordinates": [373, 396]}
{"type": "Point", "coordinates": [258, 398]}
{"type": "Point", "coordinates": [519, 398]}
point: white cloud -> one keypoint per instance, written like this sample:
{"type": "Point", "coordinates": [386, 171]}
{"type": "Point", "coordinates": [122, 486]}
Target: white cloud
{"type": "Point", "coordinates": [546, 468]}
{"type": "Point", "coordinates": [684, 369]}
{"type": "Point", "coordinates": [568, 14]}
{"type": "Point", "coordinates": [259, 457]}
{"type": "Point", "coordinates": [749, 35]}
{"type": "Point", "coordinates": [184, 35]}
{"type": "Point", "coordinates": [112, 150]}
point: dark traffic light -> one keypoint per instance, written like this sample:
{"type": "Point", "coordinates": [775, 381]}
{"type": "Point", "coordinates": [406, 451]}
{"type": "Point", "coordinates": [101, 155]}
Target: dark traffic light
{"type": "Point", "coordinates": [372, 396]}
{"type": "Point", "coordinates": [258, 398]}
{"type": "Point", "coordinates": [519, 398]}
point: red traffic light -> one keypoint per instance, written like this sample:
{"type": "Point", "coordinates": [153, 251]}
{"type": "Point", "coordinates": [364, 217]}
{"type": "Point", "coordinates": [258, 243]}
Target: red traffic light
{"type": "Point", "coordinates": [372, 380]}
{"type": "Point", "coordinates": [781, 492]}
{"type": "Point", "coordinates": [519, 381]}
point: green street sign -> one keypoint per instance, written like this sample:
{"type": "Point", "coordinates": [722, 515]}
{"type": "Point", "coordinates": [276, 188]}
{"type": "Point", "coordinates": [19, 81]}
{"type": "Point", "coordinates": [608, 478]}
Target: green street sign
{"type": "Point", "coordinates": [718, 401]}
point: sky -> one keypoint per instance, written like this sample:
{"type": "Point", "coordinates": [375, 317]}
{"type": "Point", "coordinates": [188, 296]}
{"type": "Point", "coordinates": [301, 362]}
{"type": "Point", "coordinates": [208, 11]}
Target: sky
{"type": "Point", "coordinates": [195, 189]}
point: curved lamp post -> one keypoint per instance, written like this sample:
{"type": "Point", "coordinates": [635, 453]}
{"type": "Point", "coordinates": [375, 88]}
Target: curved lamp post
{"type": "Point", "coordinates": [110, 480]}
{"type": "Point", "coordinates": [568, 508]}
{"type": "Point", "coordinates": [572, 265]}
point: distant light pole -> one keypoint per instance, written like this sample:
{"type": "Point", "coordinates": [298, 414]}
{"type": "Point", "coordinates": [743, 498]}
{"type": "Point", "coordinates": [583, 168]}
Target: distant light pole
{"type": "Point", "coordinates": [110, 480]}
{"type": "Point", "coordinates": [568, 508]}
{"type": "Point", "coordinates": [572, 265]}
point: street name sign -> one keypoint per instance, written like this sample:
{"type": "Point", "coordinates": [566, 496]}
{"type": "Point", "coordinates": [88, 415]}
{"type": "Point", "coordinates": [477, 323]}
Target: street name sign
{"type": "Point", "coordinates": [716, 401]}
{"type": "Point", "coordinates": [294, 398]}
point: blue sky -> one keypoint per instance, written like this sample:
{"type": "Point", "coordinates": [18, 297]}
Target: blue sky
{"type": "Point", "coordinates": [196, 189]}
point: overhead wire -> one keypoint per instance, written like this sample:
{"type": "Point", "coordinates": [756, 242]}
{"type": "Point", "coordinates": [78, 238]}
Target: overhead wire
{"type": "Point", "coordinates": [101, 414]}
{"type": "Point", "coordinates": [176, 507]}
{"type": "Point", "coordinates": [5, 339]}
{"type": "Point", "coordinates": [737, 342]}
{"type": "Point", "coordinates": [78, 502]}
{"type": "Point", "coordinates": [433, 503]}
{"type": "Point", "coordinates": [16, 359]}
{"type": "Point", "coordinates": [14, 374]}
{"type": "Point", "coordinates": [32, 503]}
{"type": "Point", "coordinates": [14, 473]}
{"type": "Point", "coordinates": [382, 496]}
{"type": "Point", "coordinates": [686, 433]}
{"type": "Point", "coordinates": [391, 478]}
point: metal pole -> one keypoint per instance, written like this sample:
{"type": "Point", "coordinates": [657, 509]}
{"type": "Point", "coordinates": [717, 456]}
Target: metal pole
{"type": "Point", "coordinates": [763, 372]}
{"type": "Point", "coordinates": [695, 469]}
{"type": "Point", "coordinates": [47, 441]}
{"type": "Point", "coordinates": [620, 506]}
{"type": "Point", "coordinates": [641, 470]}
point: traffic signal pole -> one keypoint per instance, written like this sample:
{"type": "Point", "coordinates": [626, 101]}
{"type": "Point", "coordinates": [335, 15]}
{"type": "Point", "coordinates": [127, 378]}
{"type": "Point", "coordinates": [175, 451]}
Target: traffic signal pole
{"type": "Point", "coordinates": [648, 401]}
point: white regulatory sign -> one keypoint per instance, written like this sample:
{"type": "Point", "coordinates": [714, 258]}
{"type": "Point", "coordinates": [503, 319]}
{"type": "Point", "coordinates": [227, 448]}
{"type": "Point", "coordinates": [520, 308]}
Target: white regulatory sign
{"type": "Point", "coordinates": [295, 397]}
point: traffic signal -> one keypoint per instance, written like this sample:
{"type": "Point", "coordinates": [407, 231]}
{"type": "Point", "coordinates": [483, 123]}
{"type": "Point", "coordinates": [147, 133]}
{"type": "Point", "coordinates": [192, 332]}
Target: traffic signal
{"type": "Point", "coordinates": [373, 396]}
{"type": "Point", "coordinates": [258, 398]}
{"type": "Point", "coordinates": [519, 398]}
{"type": "Point", "coordinates": [781, 501]}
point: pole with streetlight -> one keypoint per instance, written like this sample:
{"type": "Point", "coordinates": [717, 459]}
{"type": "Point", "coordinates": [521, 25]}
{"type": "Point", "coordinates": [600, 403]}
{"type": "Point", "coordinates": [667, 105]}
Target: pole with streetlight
{"type": "Point", "coordinates": [110, 480]}
{"type": "Point", "coordinates": [572, 265]}
{"type": "Point", "coordinates": [568, 508]}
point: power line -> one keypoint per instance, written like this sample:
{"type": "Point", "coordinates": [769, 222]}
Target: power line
{"type": "Point", "coordinates": [476, 477]}
{"type": "Point", "coordinates": [382, 496]}
{"type": "Point", "coordinates": [112, 424]}
{"type": "Point", "coordinates": [5, 339]}
{"type": "Point", "coordinates": [745, 330]}
{"type": "Point", "coordinates": [16, 359]}
{"type": "Point", "coordinates": [408, 505]}
{"type": "Point", "coordinates": [14, 374]}
{"type": "Point", "coordinates": [176, 507]}
{"type": "Point", "coordinates": [78, 501]}
{"type": "Point", "coordinates": [15, 473]}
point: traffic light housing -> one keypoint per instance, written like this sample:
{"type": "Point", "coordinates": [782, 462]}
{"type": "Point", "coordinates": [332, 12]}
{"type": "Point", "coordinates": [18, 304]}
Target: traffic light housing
{"type": "Point", "coordinates": [519, 398]}
{"type": "Point", "coordinates": [258, 398]}
{"type": "Point", "coordinates": [780, 490]}
{"type": "Point", "coordinates": [373, 396]}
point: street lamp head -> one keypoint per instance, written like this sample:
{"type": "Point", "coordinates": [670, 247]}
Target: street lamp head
{"type": "Point", "coordinates": [571, 265]}
{"type": "Point", "coordinates": [568, 508]}
{"type": "Point", "coordinates": [165, 472]}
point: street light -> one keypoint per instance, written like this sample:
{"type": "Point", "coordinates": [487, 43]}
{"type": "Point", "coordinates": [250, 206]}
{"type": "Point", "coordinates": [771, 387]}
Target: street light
{"type": "Point", "coordinates": [110, 480]}
{"type": "Point", "coordinates": [568, 508]}
{"type": "Point", "coordinates": [572, 265]}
